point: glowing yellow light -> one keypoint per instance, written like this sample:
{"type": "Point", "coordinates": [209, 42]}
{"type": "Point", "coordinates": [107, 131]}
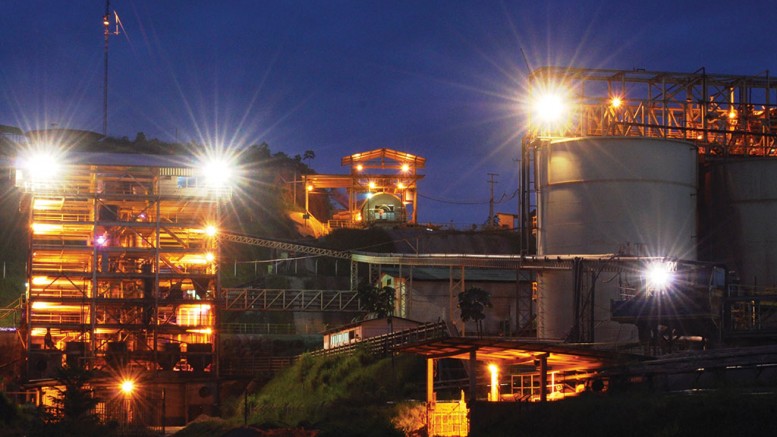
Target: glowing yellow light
{"type": "Point", "coordinates": [209, 257]}
{"type": "Point", "coordinates": [127, 386]}
{"type": "Point", "coordinates": [47, 204]}
{"type": "Point", "coordinates": [372, 185]}
{"type": "Point", "coordinates": [44, 228]}
{"type": "Point", "coordinates": [405, 168]}
{"type": "Point", "coordinates": [206, 331]}
{"type": "Point", "coordinates": [37, 305]}
{"type": "Point", "coordinates": [211, 231]}
{"type": "Point", "coordinates": [732, 114]}
{"type": "Point", "coordinates": [494, 370]}
{"type": "Point", "coordinates": [616, 102]}
{"type": "Point", "coordinates": [359, 167]}
{"type": "Point", "coordinates": [401, 186]}
{"type": "Point", "coordinates": [40, 280]}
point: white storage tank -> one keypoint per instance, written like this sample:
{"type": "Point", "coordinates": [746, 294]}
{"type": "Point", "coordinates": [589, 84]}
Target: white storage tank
{"type": "Point", "coordinates": [597, 195]}
{"type": "Point", "coordinates": [738, 218]}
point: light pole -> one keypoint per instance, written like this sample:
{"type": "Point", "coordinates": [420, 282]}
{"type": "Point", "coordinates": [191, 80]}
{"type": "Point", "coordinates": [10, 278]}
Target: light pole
{"type": "Point", "coordinates": [164, 398]}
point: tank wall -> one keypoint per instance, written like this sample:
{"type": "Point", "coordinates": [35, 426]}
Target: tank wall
{"type": "Point", "coordinates": [605, 195]}
{"type": "Point", "coordinates": [598, 194]}
{"type": "Point", "coordinates": [737, 216]}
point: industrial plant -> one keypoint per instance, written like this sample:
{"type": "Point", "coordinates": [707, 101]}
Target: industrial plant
{"type": "Point", "coordinates": [644, 230]}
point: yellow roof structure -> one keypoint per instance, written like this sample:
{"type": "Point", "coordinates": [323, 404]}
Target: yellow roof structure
{"type": "Point", "coordinates": [377, 159]}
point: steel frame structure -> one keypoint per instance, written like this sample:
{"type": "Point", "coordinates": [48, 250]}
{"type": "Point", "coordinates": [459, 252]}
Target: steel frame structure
{"type": "Point", "coordinates": [725, 115]}
{"type": "Point", "coordinates": [121, 270]}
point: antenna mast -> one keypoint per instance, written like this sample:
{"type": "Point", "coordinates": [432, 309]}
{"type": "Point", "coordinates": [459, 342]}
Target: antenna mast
{"type": "Point", "coordinates": [106, 25]}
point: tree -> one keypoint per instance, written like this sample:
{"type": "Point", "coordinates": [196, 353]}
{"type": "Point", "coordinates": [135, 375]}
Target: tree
{"type": "Point", "coordinates": [309, 154]}
{"type": "Point", "coordinates": [377, 300]}
{"type": "Point", "coordinates": [76, 404]}
{"type": "Point", "coordinates": [472, 303]}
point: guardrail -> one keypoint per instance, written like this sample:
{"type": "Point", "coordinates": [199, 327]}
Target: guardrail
{"type": "Point", "coordinates": [262, 299]}
{"type": "Point", "coordinates": [385, 344]}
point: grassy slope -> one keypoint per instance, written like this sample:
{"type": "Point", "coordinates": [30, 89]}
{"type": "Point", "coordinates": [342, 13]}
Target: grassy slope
{"type": "Point", "coordinates": [348, 395]}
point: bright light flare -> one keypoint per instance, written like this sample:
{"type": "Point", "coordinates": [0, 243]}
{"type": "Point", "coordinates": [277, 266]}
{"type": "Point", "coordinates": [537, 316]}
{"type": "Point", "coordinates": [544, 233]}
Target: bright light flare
{"type": "Point", "coordinates": [372, 185]}
{"type": "Point", "coordinates": [127, 386]}
{"type": "Point", "coordinates": [42, 165]}
{"type": "Point", "coordinates": [493, 369]}
{"type": "Point", "coordinates": [550, 108]}
{"type": "Point", "coordinates": [616, 102]}
{"type": "Point", "coordinates": [405, 168]}
{"type": "Point", "coordinates": [218, 173]}
{"type": "Point", "coordinates": [659, 275]}
{"type": "Point", "coordinates": [211, 231]}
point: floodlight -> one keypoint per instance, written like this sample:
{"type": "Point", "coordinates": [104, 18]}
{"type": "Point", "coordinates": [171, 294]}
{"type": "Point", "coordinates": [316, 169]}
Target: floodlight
{"type": "Point", "coordinates": [127, 386]}
{"type": "Point", "coordinates": [217, 173]}
{"type": "Point", "coordinates": [211, 231]}
{"type": "Point", "coordinates": [42, 165]}
{"type": "Point", "coordinates": [405, 168]}
{"type": "Point", "coordinates": [550, 107]}
{"type": "Point", "coordinates": [359, 167]}
{"type": "Point", "coordinates": [209, 257]}
{"type": "Point", "coordinates": [616, 102]}
{"type": "Point", "coordinates": [372, 185]}
{"type": "Point", "coordinates": [659, 275]}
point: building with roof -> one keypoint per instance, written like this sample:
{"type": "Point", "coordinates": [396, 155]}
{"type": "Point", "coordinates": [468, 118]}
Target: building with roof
{"type": "Point", "coordinates": [381, 189]}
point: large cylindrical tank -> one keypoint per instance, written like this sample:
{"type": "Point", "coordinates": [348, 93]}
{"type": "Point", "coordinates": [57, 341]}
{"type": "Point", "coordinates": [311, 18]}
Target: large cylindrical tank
{"type": "Point", "coordinates": [738, 215]}
{"type": "Point", "coordinates": [604, 195]}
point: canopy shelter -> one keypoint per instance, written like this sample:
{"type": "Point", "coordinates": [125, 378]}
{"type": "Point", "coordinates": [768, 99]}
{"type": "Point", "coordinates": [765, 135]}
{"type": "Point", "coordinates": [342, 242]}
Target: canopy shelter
{"type": "Point", "coordinates": [381, 172]}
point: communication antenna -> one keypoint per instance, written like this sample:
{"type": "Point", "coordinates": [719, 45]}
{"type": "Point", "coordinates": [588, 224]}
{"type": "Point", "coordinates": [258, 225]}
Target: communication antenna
{"type": "Point", "coordinates": [491, 181]}
{"type": "Point", "coordinates": [107, 32]}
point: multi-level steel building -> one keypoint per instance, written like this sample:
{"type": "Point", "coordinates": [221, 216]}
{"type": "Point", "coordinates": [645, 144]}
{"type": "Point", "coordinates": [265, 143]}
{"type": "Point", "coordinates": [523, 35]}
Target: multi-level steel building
{"type": "Point", "coordinates": [122, 264]}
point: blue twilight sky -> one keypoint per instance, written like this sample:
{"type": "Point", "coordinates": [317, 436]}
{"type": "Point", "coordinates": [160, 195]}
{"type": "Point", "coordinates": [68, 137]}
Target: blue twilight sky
{"type": "Point", "coordinates": [440, 79]}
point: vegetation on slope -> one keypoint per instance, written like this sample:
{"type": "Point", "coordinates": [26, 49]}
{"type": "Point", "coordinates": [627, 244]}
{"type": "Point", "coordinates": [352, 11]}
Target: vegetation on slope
{"type": "Point", "coordinates": [340, 396]}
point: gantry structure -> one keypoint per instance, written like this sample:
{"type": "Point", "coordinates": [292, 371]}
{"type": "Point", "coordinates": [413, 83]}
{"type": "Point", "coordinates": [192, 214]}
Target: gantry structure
{"type": "Point", "coordinates": [724, 114]}
{"type": "Point", "coordinates": [122, 265]}
{"type": "Point", "coordinates": [382, 187]}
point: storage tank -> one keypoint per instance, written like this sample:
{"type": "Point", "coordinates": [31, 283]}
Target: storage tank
{"type": "Point", "coordinates": [737, 218]}
{"type": "Point", "coordinates": [598, 195]}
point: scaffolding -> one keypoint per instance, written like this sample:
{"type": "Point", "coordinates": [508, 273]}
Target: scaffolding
{"type": "Point", "coordinates": [122, 268]}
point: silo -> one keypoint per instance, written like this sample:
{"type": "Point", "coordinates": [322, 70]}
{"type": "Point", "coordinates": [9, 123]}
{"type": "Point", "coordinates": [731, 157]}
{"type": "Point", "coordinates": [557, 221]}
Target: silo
{"type": "Point", "coordinates": [596, 195]}
{"type": "Point", "coordinates": [737, 218]}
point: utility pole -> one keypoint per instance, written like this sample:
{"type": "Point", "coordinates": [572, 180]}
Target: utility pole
{"type": "Point", "coordinates": [491, 181]}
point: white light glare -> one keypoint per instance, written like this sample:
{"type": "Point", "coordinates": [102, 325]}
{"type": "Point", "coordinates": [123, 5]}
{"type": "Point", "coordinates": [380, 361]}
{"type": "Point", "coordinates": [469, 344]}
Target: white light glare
{"type": "Point", "coordinates": [41, 166]}
{"type": "Point", "coordinates": [218, 173]}
{"type": "Point", "coordinates": [550, 108]}
{"type": "Point", "coordinates": [659, 275]}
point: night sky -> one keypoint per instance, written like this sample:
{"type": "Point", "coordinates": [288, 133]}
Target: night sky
{"type": "Point", "coordinates": [440, 79]}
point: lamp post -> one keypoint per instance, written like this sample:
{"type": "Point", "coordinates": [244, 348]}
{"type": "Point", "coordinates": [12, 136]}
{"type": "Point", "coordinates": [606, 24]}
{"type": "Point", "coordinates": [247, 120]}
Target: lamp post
{"type": "Point", "coordinates": [164, 398]}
